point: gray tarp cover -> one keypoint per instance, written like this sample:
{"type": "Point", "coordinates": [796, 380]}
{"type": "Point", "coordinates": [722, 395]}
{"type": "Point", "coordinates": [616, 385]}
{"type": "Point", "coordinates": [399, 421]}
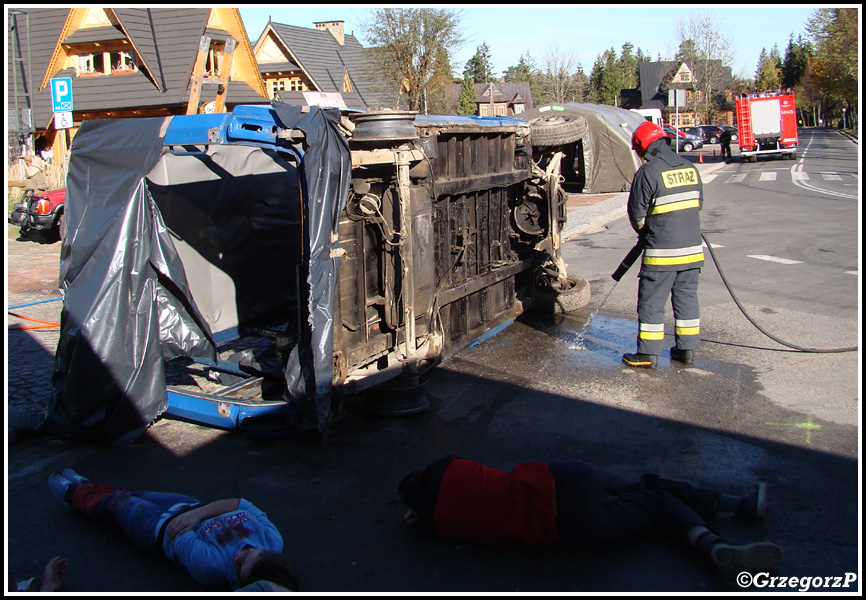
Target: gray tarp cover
{"type": "Point", "coordinates": [127, 304]}
{"type": "Point", "coordinates": [610, 130]}
{"type": "Point", "coordinates": [118, 313]}
{"type": "Point", "coordinates": [327, 170]}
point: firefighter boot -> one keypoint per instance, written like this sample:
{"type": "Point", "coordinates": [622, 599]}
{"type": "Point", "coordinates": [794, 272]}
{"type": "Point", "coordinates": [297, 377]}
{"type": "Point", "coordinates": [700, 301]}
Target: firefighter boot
{"type": "Point", "coordinates": [687, 357]}
{"type": "Point", "coordinates": [641, 361]}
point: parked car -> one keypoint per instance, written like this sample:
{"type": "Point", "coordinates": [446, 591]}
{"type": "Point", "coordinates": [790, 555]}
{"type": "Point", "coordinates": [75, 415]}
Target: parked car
{"type": "Point", "coordinates": [711, 133]}
{"type": "Point", "coordinates": [42, 211]}
{"type": "Point", "coordinates": [685, 141]}
{"type": "Point", "coordinates": [695, 131]}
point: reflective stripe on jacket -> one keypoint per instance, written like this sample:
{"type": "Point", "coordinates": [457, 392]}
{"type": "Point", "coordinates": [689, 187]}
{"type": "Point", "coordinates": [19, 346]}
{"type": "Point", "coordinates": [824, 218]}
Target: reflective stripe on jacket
{"type": "Point", "coordinates": [664, 207]}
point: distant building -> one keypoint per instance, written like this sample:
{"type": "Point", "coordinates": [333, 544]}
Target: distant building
{"type": "Point", "coordinates": [499, 99]}
{"type": "Point", "coordinates": [123, 62]}
{"type": "Point", "coordinates": [656, 78]}
{"type": "Point", "coordinates": [323, 66]}
{"type": "Point", "coordinates": [503, 99]}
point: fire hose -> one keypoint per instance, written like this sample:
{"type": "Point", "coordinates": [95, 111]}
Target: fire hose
{"type": "Point", "coordinates": [42, 324]}
{"type": "Point", "coordinates": [635, 252]}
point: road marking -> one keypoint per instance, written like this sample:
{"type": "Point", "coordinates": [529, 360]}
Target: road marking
{"type": "Point", "coordinates": [708, 178]}
{"type": "Point", "coordinates": [831, 177]}
{"type": "Point", "coordinates": [800, 181]}
{"type": "Point", "coordinates": [800, 176]}
{"type": "Point", "coordinates": [712, 245]}
{"type": "Point", "coordinates": [736, 178]}
{"type": "Point", "coordinates": [775, 259]}
{"type": "Point", "coordinates": [768, 176]}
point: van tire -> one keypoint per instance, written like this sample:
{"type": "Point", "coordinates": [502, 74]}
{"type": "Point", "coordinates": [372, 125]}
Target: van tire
{"type": "Point", "coordinates": [557, 130]}
{"type": "Point", "coordinates": [575, 296]}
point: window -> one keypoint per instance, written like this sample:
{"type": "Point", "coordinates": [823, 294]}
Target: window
{"type": "Point", "coordinates": [214, 61]}
{"type": "Point", "coordinates": [291, 84]}
{"type": "Point", "coordinates": [122, 62]}
{"type": "Point", "coordinates": [499, 110]}
{"type": "Point", "coordinates": [91, 64]}
{"type": "Point", "coordinates": [106, 62]}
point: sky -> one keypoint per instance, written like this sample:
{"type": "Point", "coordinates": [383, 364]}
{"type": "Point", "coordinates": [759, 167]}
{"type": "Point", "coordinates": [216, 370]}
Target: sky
{"type": "Point", "coordinates": [588, 30]}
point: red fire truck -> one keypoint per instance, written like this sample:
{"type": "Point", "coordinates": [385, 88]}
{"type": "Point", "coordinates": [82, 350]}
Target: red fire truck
{"type": "Point", "coordinates": [767, 124]}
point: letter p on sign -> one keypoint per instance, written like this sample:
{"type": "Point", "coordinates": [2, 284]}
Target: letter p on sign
{"type": "Point", "coordinates": [61, 94]}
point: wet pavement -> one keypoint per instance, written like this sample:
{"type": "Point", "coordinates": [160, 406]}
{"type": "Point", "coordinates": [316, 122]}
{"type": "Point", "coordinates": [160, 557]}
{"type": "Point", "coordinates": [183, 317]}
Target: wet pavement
{"type": "Point", "coordinates": [545, 389]}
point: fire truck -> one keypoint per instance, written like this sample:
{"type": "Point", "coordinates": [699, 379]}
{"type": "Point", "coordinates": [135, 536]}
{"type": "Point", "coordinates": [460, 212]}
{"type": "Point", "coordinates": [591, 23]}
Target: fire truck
{"type": "Point", "coordinates": [767, 124]}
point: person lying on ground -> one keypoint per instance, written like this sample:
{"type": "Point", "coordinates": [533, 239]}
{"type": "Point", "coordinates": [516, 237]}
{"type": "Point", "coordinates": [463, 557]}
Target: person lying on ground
{"type": "Point", "coordinates": [574, 505]}
{"type": "Point", "coordinates": [227, 543]}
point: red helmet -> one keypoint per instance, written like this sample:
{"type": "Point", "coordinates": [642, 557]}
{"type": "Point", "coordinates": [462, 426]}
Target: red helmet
{"type": "Point", "coordinates": [646, 134]}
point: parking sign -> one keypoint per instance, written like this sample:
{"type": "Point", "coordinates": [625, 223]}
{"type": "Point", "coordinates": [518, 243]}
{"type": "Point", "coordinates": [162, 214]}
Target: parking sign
{"type": "Point", "coordinates": [61, 94]}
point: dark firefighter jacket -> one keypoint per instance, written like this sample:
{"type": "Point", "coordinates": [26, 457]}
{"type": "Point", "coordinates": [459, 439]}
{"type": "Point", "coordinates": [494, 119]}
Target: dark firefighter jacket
{"type": "Point", "coordinates": [664, 208]}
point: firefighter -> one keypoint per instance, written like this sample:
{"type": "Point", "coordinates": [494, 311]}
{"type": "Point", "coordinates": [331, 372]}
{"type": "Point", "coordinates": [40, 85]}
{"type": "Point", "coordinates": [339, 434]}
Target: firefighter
{"type": "Point", "coordinates": [664, 209]}
{"type": "Point", "coordinates": [725, 141]}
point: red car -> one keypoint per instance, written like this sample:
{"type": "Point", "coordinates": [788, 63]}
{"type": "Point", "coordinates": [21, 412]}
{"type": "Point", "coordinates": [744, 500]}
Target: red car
{"type": "Point", "coordinates": [42, 211]}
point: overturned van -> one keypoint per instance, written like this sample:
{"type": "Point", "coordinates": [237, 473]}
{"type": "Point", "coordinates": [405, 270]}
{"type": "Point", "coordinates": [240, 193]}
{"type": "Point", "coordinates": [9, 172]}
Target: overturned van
{"type": "Point", "coordinates": [246, 270]}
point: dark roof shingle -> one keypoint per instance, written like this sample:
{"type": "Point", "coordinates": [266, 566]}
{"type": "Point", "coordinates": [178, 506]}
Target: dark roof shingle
{"type": "Point", "coordinates": [167, 42]}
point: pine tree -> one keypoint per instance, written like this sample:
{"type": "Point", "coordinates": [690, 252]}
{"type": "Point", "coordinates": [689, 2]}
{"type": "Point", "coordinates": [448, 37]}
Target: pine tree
{"type": "Point", "coordinates": [768, 75]}
{"type": "Point", "coordinates": [466, 102]}
{"type": "Point", "coordinates": [797, 56]}
{"type": "Point", "coordinates": [479, 66]}
{"type": "Point", "coordinates": [524, 70]}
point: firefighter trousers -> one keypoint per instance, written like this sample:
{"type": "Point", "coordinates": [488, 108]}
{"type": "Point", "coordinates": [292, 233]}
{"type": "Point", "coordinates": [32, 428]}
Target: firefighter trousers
{"type": "Point", "coordinates": [654, 287]}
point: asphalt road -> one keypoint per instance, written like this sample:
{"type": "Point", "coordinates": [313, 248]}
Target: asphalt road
{"type": "Point", "coordinates": [544, 389]}
{"type": "Point", "coordinates": [790, 254]}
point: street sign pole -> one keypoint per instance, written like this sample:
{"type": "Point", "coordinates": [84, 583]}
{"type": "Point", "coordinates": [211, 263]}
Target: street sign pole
{"type": "Point", "coordinates": [61, 100]}
{"type": "Point", "coordinates": [677, 98]}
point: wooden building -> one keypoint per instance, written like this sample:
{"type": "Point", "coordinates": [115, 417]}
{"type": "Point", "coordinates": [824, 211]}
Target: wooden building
{"type": "Point", "coordinates": [502, 99]}
{"type": "Point", "coordinates": [656, 78]}
{"type": "Point", "coordinates": [127, 62]}
{"type": "Point", "coordinates": [323, 66]}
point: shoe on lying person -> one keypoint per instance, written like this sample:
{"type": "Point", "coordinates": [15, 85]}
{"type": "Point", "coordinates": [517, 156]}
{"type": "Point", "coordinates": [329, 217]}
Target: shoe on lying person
{"type": "Point", "coordinates": [62, 488]}
{"type": "Point", "coordinates": [754, 506]}
{"type": "Point", "coordinates": [641, 361]}
{"type": "Point", "coordinates": [74, 477]}
{"type": "Point", "coordinates": [758, 556]}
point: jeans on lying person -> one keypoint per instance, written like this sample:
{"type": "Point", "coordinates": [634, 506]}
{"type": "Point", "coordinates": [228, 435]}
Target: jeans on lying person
{"type": "Point", "coordinates": [141, 514]}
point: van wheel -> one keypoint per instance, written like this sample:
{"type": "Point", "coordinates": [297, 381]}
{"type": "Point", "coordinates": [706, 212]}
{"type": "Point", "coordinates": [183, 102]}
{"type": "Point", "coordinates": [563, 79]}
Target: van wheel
{"type": "Point", "coordinates": [558, 130]}
{"type": "Point", "coordinates": [574, 296]}
{"type": "Point", "coordinates": [57, 231]}
{"type": "Point", "coordinates": [61, 227]}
